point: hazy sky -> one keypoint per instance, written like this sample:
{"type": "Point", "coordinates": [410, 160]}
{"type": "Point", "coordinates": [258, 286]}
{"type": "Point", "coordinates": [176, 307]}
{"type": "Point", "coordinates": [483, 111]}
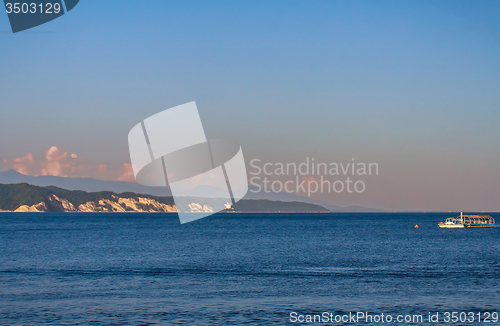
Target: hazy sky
{"type": "Point", "coordinates": [413, 86]}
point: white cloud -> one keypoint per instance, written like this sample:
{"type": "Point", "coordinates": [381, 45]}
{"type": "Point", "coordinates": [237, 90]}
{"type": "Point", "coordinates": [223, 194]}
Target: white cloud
{"type": "Point", "coordinates": [63, 164]}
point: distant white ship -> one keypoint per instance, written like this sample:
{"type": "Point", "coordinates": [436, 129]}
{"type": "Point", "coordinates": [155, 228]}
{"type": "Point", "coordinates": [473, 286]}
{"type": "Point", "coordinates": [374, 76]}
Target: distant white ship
{"type": "Point", "coordinates": [468, 221]}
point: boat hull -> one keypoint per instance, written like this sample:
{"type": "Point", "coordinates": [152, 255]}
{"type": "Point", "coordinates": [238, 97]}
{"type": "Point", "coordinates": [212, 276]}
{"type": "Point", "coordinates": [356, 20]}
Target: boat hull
{"type": "Point", "coordinates": [461, 226]}
{"type": "Point", "coordinates": [451, 226]}
{"type": "Point", "coordinates": [481, 226]}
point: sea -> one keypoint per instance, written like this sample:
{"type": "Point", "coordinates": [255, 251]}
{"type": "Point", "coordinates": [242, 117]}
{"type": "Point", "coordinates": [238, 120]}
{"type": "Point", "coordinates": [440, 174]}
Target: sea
{"type": "Point", "coordinates": [246, 269]}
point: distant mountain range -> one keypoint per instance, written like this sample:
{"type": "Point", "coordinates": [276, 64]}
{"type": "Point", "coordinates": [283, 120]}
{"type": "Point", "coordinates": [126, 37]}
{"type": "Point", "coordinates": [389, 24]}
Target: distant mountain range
{"type": "Point", "coordinates": [93, 185]}
{"type": "Point", "coordinates": [23, 197]}
{"type": "Point", "coordinates": [85, 184]}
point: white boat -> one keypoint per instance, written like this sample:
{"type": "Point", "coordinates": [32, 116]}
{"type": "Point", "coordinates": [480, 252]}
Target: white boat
{"type": "Point", "coordinates": [451, 223]}
{"type": "Point", "coordinates": [468, 221]}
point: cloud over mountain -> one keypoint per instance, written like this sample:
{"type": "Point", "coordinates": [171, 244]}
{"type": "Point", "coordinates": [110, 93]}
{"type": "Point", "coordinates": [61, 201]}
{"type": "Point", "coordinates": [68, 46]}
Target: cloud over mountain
{"type": "Point", "coordinates": [64, 164]}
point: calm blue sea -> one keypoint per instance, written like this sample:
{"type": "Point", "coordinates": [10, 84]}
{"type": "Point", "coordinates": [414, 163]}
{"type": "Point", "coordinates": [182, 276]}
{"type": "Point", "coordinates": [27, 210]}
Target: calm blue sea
{"type": "Point", "coordinates": [232, 269]}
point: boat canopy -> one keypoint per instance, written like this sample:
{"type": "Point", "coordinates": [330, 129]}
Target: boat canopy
{"type": "Point", "coordinates": [478, 219]}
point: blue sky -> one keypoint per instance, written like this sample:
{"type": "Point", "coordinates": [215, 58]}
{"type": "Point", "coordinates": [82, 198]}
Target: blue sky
{"type": "Point", "coordinates": [413, 86]}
